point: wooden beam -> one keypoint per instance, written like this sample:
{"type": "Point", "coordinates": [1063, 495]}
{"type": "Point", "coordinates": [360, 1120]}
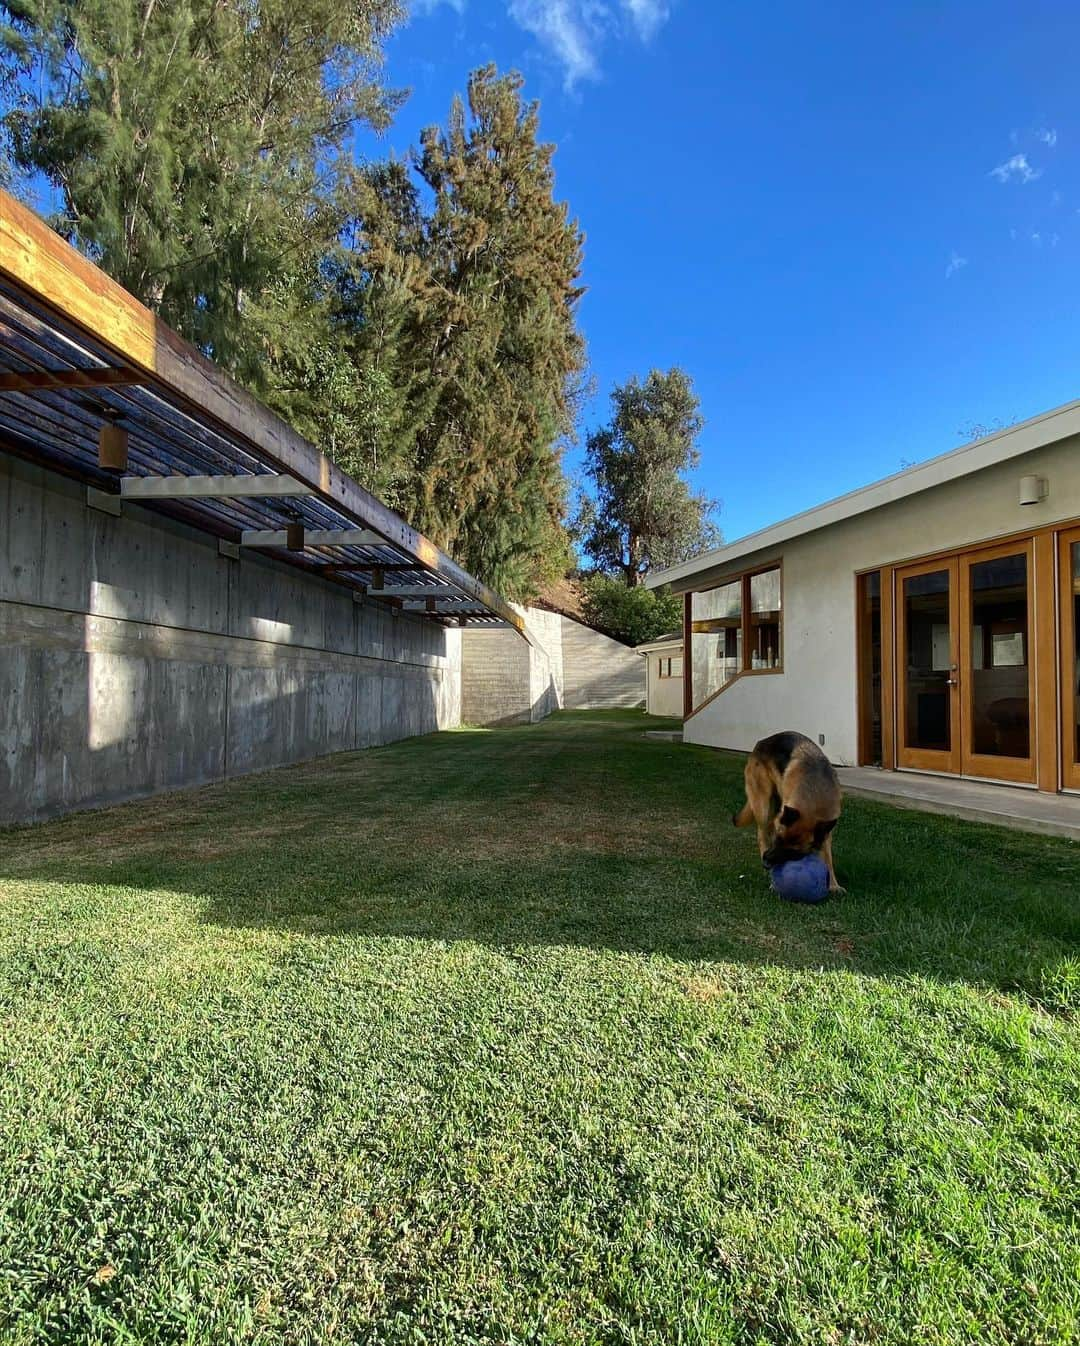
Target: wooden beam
{"type": "Point", "coordinates": [435, 604]}
{"type": "Point", "coordinates": [41, 380]}
{"type": "Point", "coordinates": [270, 484]}
{"type": "Point", "coordinates": [313, 537]}
{"type": "Point", "coordinates": [33, 257]}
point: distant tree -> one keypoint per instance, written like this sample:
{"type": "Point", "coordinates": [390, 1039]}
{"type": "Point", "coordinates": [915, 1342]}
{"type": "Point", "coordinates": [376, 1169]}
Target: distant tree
{"type": "Point", "coordinates": [460, 289]}
{"type": "Point", "coordinates": [630, 614]}
{"type": "Point", "coordinates": [197, 147]}
{"type": "Point", "coordinates": [643, 514]}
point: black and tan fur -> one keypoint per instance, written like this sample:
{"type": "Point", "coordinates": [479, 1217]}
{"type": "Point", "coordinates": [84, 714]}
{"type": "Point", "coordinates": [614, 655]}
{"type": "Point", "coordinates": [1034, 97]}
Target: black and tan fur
{"type": "Point", "coordinates": [793, 796]}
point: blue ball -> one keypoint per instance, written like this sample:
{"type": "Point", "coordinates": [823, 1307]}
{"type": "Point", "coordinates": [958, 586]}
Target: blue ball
{"type": "Point", "coordinates": [804, 880]}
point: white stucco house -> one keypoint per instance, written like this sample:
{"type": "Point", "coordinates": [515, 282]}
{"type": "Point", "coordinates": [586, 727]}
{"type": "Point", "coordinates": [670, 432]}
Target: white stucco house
{"type": "Point", "coordinates": [663, 674]}
{"type": "Point", "coordinates": [928, 622]}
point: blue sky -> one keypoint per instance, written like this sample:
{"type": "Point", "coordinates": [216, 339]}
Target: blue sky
{"type": "Point", "coordinates": [857, 227]}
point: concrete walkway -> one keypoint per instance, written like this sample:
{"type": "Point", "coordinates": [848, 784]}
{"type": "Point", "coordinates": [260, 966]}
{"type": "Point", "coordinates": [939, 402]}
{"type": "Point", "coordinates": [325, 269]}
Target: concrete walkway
{"type": "Point", "coordinates": [1005, 805]}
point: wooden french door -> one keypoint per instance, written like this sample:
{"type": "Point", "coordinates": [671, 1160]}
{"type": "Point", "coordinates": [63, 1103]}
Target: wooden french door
{"type": "Point", "coordinates": [927, 666]}
{"type": "Point", "coordinates": [965, 684]}
{"type": "Point", "coordinates": [1069, 574]}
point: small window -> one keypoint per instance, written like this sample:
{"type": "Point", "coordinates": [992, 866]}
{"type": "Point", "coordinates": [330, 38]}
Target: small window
{"type": "Point", "coordinates": [669, 666]}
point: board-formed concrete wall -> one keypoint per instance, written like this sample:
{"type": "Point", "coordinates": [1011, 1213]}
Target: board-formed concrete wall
{"type": "Point", "coordinates": [506, 681]}
{"type": "Point", "coordinates": [135, 658]}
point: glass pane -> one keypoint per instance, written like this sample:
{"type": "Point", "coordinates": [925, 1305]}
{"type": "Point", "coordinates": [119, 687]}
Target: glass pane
{"type": "Point", "coordinates": [725, 602]}
{"type": "Point", "coordinates": [765, 619]}
{"type": "Point", "coordinates": [716, 654]}
{"type": "Point", "coordinates": [929, 656]}
{"type": "Point", "coordinates": [1000, 700]}
{"type": "Point", "coordinates": [870, 662]}
{"type": "Point", "coordinates": [1076, 648]}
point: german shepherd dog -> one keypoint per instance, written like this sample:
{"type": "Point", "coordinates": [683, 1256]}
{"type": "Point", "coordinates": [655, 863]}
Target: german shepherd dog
{"type": "Point", "coordinates": [793, 796]}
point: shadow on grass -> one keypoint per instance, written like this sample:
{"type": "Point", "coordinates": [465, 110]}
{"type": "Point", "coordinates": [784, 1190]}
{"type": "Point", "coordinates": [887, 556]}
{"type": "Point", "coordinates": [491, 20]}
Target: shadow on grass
{"type": "Point", "coordinates": [579, 833]}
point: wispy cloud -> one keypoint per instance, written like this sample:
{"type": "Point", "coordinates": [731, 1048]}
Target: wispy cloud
{"type": "Point", "coordinates": [956, 263]}
{"type": "Point", "coordinates": [575, 32]}
{"type": "Point", "coordinates": [647, 16]}
{"type": "Point", "coordinates": [1016, 169]}
{"type": "Point", "coordinates": [1048, 136]}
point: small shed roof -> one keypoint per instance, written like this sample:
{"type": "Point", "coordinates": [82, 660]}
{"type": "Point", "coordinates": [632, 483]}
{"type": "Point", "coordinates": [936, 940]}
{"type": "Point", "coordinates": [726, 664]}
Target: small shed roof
{"type": "Point", "coordinates": [672, 640]}
{"type": "Point", "coordinates": [77, 353]}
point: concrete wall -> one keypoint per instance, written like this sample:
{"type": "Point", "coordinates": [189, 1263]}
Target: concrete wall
{"type": "Point", "coordinates": [816, 692]}
{"type": "Point", "coordinates": [506, 681]}
{"type": "Point", "coordinates": [135, 658]}
{"type": "Point", "coordinates": [599, 673]}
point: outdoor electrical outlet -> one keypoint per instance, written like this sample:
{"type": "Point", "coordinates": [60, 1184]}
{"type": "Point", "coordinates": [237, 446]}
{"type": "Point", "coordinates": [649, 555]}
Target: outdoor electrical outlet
{"type": "Point", "coordinates": [821, 739]}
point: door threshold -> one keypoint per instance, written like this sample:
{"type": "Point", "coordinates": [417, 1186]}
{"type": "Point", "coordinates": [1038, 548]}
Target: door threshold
{"type": "Point", "coordinates": [957, 775]}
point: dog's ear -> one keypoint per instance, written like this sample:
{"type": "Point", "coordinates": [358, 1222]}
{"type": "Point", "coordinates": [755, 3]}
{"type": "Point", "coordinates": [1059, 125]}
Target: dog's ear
{"type": "Point", "coordinates": [822, 830]}
{"type": "Point", "coordinates": [788, 816]}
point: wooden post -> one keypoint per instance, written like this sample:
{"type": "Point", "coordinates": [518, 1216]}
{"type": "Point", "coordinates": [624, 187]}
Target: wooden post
{"type": "Point", "coordinates": [294, 536]}
{"type": "Point", "coordinates": [113, 447]}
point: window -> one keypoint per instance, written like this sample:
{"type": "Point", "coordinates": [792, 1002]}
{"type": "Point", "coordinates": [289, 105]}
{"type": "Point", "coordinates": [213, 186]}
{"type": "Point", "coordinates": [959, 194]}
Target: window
{"type": "Point", "coordinates": [669, 667]}
{"type": "Point", "coordinates": [734, 629]}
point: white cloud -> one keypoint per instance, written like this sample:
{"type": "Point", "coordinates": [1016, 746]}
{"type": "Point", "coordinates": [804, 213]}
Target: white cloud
{"type": "Point", "coordinates": [1016, 169]}
{"type": "Point", "coordinates": [647, 16]}
{"type": "Point", "coordinates": [1047, 136]}
{"type": "Point", "coordinates": [956, 262]}
{"type": "Point", "coordinates": [574, 31]}
{"type": "Point", "coordinates": [429, 6]}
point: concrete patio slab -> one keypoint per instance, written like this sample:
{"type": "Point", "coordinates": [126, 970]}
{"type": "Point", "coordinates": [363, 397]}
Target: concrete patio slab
{"type": "Point", "coordinates": [977, 801]}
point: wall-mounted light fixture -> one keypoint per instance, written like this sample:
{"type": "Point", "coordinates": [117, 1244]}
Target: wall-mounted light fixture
{"type": "Point", "coordinates": [1033, 490]}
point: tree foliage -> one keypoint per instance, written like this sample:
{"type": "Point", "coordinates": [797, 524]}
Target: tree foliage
{"type": "Point", "coordinates": [644, 514]}
{"type": "Point", "coordinates": [631, 614]}
{"type": "Point", "coordinates": [460, 289]}
{"type": "Point", "coordinates": [197, 147]}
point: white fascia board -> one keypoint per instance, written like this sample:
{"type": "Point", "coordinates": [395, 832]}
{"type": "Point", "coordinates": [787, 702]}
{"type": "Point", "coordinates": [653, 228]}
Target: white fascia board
{"type": "Point", "coordinates": [1017, 440]}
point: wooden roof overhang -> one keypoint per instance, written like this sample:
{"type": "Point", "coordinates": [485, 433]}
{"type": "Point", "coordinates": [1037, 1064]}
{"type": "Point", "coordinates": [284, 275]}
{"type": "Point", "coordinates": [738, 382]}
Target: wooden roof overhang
{"type": "Point", "coordinates": [77, 353]}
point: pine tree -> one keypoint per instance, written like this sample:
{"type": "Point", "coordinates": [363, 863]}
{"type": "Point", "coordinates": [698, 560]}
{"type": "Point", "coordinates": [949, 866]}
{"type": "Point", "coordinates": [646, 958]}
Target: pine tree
{"type": "Point", "coordinates": [644, 514]}
{"type": "Point", "coordinates": [467, 309]}
{"type": "Point", "coordinates": [197, 146]}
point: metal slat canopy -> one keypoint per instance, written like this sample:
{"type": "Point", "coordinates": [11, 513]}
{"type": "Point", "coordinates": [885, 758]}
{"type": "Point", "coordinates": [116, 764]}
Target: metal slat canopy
{"type": "Point", "coordinates": [78, 352]}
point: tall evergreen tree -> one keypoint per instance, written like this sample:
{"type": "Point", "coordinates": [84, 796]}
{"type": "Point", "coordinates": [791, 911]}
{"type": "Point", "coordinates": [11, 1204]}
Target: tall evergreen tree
{"type": "Point", "coordinates": [196, 146]}
{"type": "Point", "coordinates": [644, 514]}
{"type": "Point", "coordinates": [464, 283]}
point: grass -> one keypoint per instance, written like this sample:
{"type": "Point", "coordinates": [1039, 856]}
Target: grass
{"type": "Point", "coordinates": [500, 1037]}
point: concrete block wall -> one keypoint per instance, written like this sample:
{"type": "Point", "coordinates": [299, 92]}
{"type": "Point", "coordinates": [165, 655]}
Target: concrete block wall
{"type": "Point", "coordinates": [504, 680]}
{"type": "Point", "coordinates": [134, 658]}
{"type": "Point", "coordinates": [599, 673]}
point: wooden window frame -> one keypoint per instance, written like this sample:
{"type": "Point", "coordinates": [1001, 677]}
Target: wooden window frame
{"type": "Point", "coordinates": [709, 625]}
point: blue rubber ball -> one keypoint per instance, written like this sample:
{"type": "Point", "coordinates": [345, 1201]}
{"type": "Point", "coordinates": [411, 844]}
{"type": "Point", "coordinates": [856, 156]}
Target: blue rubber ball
{"type": "Point", "coordinates": [803, 880]}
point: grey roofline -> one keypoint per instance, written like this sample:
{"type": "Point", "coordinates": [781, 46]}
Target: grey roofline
{"type": "Point", "coordinates": [1016, 440]}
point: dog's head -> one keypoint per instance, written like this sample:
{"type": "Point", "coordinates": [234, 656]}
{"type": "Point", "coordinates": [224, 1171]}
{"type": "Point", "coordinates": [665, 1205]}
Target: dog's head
{"type": "Point", "coordinates": [795, 836]}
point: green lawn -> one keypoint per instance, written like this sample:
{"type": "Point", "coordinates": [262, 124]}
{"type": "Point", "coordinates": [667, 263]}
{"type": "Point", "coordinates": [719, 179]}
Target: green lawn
{"type": "Point", "coordinates": [500, 1037]}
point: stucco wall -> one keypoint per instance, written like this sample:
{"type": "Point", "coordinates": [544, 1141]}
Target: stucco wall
{"type": "Point", "coordinates": [135, 658]}
{"type": "Point", "coordinates": [665, 695]}
{"type": "Point", "coordinates": [599, 673]}
{"type": "Point", "coordinates": [816, 693]}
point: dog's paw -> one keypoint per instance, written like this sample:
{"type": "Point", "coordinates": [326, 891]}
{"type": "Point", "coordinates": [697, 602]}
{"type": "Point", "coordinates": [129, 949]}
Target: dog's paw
{"type": "Point", "coordinates": [838, 891]}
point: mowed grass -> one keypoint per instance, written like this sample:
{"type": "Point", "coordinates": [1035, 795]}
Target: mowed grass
{"type": "Point", "coordinates": [500, 1037]}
